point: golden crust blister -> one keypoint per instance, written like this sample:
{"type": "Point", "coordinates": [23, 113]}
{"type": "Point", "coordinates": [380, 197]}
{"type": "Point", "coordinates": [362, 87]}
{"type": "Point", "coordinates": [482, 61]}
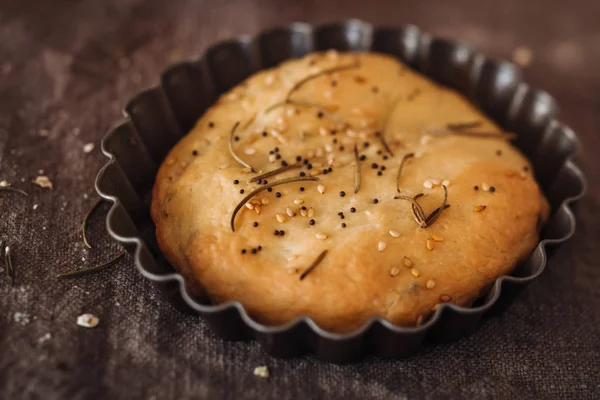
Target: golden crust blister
{"type": "Point", "coordinates": [363, 246]}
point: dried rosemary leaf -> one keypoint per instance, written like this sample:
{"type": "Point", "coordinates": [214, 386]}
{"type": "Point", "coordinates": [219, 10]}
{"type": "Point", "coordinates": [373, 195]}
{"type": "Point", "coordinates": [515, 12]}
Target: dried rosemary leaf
{"type": "Point", "coordinates": [84, 224]}
{"type": "Point", "coordinates": [357, 174]}
{"type": "Point", "coordinates": [12, 189]}
{"type": "Point", "coordinates": [458, 126]}
{"type": "Point", "coordinates": [313, 265]}
{"type": "Point", "coordinates": [232, 152]}
{"type": "Point", "coordinates": [436, 213]}
{"type": "Point", "coordinates": [88, 271]}
{"type": "Point", "coordinates": [275, 172]}
{"type": "Point", "coordinates": [406, 157]}
{"type": "Point", "coordinates": [10, 271]}
{"type": "Point", "coordinates": [417, 211]}
{"type": "Point", "coordinates": [384, 124]}
{"type": "Point", "coordinates": [309, 78]}
{"type": "Point", "coordinates": [265, 187]}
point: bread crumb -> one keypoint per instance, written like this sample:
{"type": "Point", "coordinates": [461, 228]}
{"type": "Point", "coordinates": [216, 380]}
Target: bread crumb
{"type": "Point", "coordinates": [262, 371]}
{"type": "Point", "coordinates": [88, 148]}
{"type": "Point", "coordinates": [522, 56]}
{"type": "Point", "coordinates": [43, 181]}
{"type": "Point", "coordinates": [88, 320]}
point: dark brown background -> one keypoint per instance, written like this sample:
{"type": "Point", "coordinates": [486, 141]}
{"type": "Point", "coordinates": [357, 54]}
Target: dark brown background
{"type": "Point", "coordinates": [546, 346]}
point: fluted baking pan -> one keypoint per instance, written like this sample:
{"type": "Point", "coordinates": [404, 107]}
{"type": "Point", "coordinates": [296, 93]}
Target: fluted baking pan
{"type": "Point", "coordinates": [157, 118]}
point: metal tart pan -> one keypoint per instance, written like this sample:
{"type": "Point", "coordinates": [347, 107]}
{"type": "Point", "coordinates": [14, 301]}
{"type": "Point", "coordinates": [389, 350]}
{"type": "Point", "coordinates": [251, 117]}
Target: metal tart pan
{"type": "Point", "coordinates": [158, 117]}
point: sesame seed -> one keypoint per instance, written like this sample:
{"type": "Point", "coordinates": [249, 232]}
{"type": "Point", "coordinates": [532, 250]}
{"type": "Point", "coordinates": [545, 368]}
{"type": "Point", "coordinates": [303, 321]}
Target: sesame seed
{"type": "Point", "coordinates": [309, 166]}
{"type": "Point", "coordinates": [280, 218]}
{"type": "Point", "coordinates": [485, 187]}
{"type": "Point", "coordinates": [415, 272]}
{"type": "Point", "coordinates": [375, 201]}
{"type": "Point", "coordinates": [394, 233]}
{"type": "Point", "coordinates": [272, 158]}
{"type": "Point", "coordinates": [278, 156]}
{"type": "Point", "coordinates": [249, 206]}
{"type": "Point", "coordinates": [394, 271]}
{"type": "Point", "coordinates": [292, 257]}
{"type": "Point", "coordinates": [430, 284]}
{"type": "Point", "coordinates": [323, 131]}
{"type": "Point", "coordinates": [321, 235]}
{"type": "Point", "coordinates": [445, 297]}
{"type": "Point", "coordinates": [479, 208]}
{"type": "Point", "coordinates": [343, 225]}
{"type": "Point", "coordinates": [436, 181]}
{"type": "Point", "coordinates": [362, 157]}
{"type": "Point", "coordinates": [437, 238]}
{"type": "Point", "coordinates": [492, 189]}
{"type": "Point", "coordinates": [408, 262]}
{"type": "Point", "coordinates": [243, 251]}
{"type": "Point", "coordinates": [298, 201]}
{"type": "Point", "coordinates": [312, 222]}
{"type": "Point", "coordinates": [303, 212]}
{"type": "Point", "coordinates": [302, 174]}
{"type": "Point", "coordinates": [257, 208]}
{"type": "Point", "coordinates": [269, 189]}
{"type": "Point", "coordinates": [320, 114]}
{"type": "Point", "coordinates": [311, 212]}
{"type": "Point", "coordinates": [381, 246]}
{"type": "Point", "coordinates": [379, 173]}
{"type": "Point", "coordinates": [342, 193]}
{"type": "Point", "coordinates": [241, 191]}
{"type": "Point", "coordinates": [278, 194]}
{"type": "Point", "coordinates": [195, 152]}
{"type": "Point", "coordinates": [264, 134]}
{"type": "Point", "coordinates": [303, 208]}
{"type": "Point", "coordinates": [446, 182]}
{"type": "Point", "coordinates": [430, 244]}
{"type": "Point", "coordinates": [290, 212]}
{"type": "Point", "coordinates": [254, 251]}
{"type": "Point", "coordinates": [259, 248]}
{"type": "Point", "coordinates": [374, 166]}
{"type": "Point", "coordinates": [211, 124]}
{"type": "Point", "coordinates": [428, 184]}
{"type": "Point", "coordinates": [235, 181]}
{"type": "Point", "coordinates": [499, 152]}
{"type": "Point", "coordinates": [281, 233]}
{"type": "Point", "coordinates": [255, 224]}
{"type": "Point", "coordinates": [352, 209]}
{"type": "Point", "coordinates": [264, 201]}
{"type": "Point", "coordinates": [276, 233]}
{"type": "Point", "coordinates": [419, 320]}
{"type": "Point", "coordinates": [321, 188]}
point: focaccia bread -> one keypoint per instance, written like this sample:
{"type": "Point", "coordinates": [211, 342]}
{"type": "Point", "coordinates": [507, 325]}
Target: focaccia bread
{"type": "Point", "coordinates": [377, 240]}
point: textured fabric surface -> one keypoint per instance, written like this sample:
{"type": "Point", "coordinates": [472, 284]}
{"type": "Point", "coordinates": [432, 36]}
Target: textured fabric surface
{"type": "Point", "coordinates": [68, 67]}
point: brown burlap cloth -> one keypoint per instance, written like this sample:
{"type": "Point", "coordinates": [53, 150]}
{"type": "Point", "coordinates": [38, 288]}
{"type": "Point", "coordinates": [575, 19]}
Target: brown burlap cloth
{"type": "Point", "coordinates": [66, 70]}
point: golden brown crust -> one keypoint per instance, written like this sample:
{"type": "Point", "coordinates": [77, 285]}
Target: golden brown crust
{"type": "Point", "coordinates": [381, 263]}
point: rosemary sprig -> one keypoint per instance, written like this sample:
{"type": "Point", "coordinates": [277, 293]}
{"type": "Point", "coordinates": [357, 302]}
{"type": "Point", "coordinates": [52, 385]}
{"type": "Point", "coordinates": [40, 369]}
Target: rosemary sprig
{"type": "Point", "coordinates": [406, 157]}
{"type": "Point", "coordinates": [459, 126]}
{"type": "Point", "coordinates": [232, 152]}
{"type": "Point", "coordinates": [14, 190]}
{"type": "Point", "coordinates": [88, 271]}
{"type": "Point", "coordinates": [357, 174]}
{"type": "Point", "coordinates": [313, 265]}
{"type": "Point", "coordinates": [84, 224]}
{"type": "Point", "coordinates": [265, 187]}
{"type": "Point", "coordinates": [309, 78]}
{"type": "Point", "coordinates": [417, 210]}
{"type": "Point", "coordinates": [10, 271]}
{"type": "Point", "coordinates": [275, 172]}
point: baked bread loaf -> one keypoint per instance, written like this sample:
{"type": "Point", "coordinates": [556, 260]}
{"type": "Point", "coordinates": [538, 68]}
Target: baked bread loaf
{"type": "Point", "coordinates": [367, 232]}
